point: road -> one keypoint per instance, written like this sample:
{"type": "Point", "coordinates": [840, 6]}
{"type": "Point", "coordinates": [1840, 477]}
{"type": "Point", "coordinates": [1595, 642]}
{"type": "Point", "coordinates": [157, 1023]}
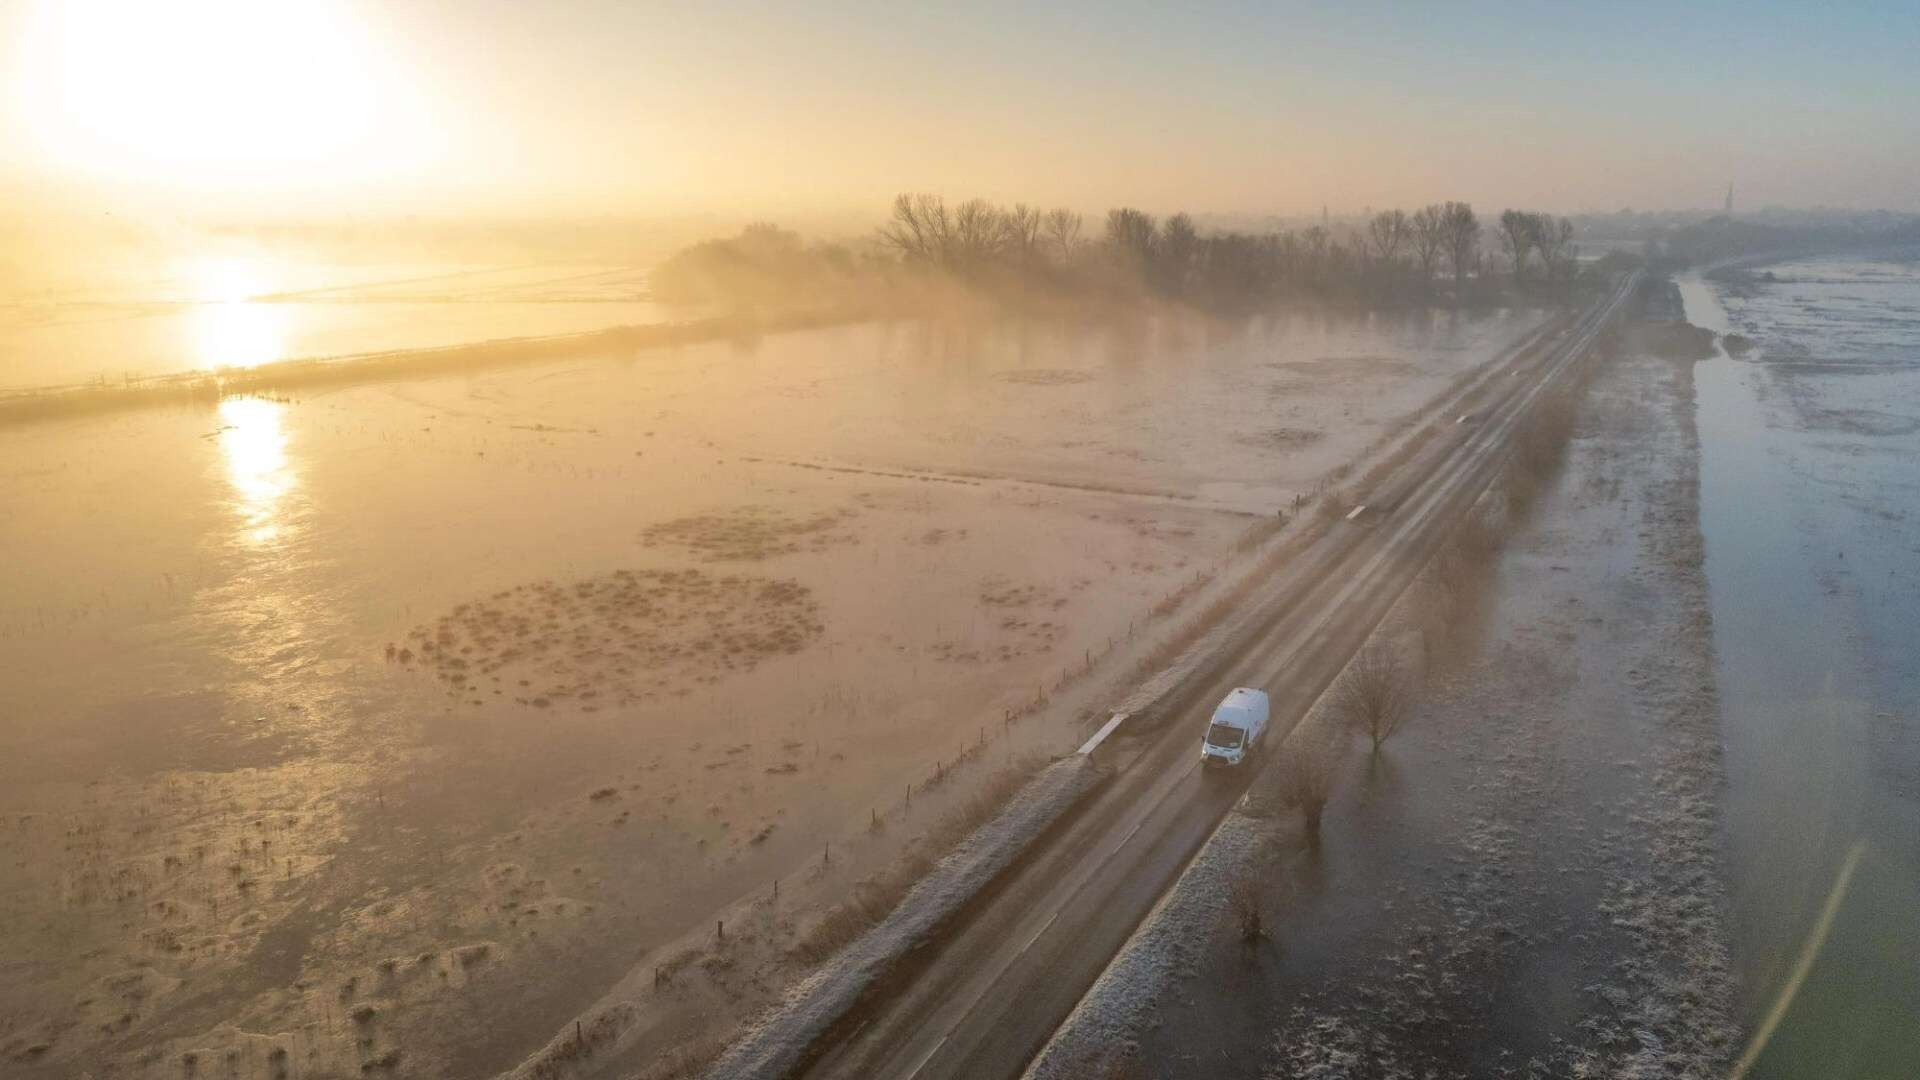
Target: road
{"type": "Point", "coordinates": [983, 1000]}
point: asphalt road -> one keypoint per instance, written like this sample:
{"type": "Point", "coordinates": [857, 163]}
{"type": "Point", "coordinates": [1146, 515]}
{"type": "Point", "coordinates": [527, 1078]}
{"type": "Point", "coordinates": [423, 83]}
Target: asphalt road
{"type": "Point", "coordinates": [985, 998]}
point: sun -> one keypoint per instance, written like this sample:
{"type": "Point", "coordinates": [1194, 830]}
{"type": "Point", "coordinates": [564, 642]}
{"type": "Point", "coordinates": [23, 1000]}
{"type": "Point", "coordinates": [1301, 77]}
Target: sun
{"type": "Point", "coordinates": [209, 93]}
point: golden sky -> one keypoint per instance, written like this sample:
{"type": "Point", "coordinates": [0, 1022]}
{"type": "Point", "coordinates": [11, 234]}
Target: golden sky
{"type": "Point", "coordinates": [313, 106]}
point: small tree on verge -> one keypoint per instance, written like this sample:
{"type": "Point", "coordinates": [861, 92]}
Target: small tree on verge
{"type": "Point", "coordinates": [1243, 900]}
{"type": "Point", "coordinates": [1375, 694]}
{"type": "Point", "coordinates": [1306, 781]}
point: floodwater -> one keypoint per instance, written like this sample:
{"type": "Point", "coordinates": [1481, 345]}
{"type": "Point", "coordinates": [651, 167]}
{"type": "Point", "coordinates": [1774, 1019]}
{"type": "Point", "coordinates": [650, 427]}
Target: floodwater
{"type": "Point", "coordinates": [1810, 507]}
{"type": "Point", "coordinates": [243, 310]}
{"type": "Point", "coordinates": [394, 722]}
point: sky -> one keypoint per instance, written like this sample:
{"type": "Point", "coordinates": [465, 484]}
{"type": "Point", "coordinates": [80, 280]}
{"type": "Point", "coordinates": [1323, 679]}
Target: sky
{"type": "Point", "coordinates": [312, 107]}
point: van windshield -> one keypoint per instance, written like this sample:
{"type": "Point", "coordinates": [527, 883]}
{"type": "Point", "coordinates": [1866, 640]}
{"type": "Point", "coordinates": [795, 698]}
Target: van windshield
{"type": "Point", "coordinates": [1223, 736]}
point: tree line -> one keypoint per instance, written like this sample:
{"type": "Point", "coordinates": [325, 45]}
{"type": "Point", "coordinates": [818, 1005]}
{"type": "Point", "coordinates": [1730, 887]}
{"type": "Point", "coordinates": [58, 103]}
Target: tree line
{"type": "Point", "coordinates": [1392, 256]}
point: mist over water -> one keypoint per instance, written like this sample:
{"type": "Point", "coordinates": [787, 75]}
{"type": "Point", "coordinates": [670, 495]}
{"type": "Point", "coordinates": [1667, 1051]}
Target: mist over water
{"type": "Point", "coordinates": [217, 312]}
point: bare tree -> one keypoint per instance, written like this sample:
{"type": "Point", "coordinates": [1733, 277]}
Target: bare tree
{"type": "Point", "coordinates": [1133, 236]}
{"type": "Point", "coordinates": [1022, 228]}
{"type": "Point", "coordinates": [1554, 238]}
{"type": "Point", "coordinates": [1375, 694]}
{"type": "Point", "coordinates": [1062, 227]}
{"type": "Point", "coordinates": [979, 234]}
{"type": "Point", "coordinates": [1429, 239]}
{"type": "Point", "coordinates": [920, 229]}
{"type": "Point", "coordinates": [1305, 777]}
{"type": "Point", "coordinates": [1387, 231]}
{"type": "Point", "coordinates": [1179, 244]}
{"type": "Point", "coordinates": [1462, 230]}
{"type": "Point", "coordinates": [1518, 231]}
{"type": "Point", "coordinates": [1243, 900]}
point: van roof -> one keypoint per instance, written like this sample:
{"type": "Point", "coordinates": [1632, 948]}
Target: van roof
{"type": "Point", "coordinates": [1237, 709]}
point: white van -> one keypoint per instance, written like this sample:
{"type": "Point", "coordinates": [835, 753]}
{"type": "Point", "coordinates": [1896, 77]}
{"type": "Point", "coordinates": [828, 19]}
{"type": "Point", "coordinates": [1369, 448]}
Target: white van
{"type": "Point", "coordinates": [1236, 725]}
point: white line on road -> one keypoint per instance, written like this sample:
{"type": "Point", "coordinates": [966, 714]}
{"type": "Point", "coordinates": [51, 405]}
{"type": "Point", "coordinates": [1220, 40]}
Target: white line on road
{"type": "Point", "coordinates": [1357, 511]}
{"type": "Point", "coordinates": [928, 1056]}
{"type": "Point", "coordinates": [1037, 933]}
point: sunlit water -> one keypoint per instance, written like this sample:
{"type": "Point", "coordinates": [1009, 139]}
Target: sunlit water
{"type": "Point", "coordinates": [213, 312]}
{"type": "Point", "coordinates": [1810, 502]}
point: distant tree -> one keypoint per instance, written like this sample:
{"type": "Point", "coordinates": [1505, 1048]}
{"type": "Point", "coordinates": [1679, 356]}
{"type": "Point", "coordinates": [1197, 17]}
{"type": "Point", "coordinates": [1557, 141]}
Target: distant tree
{"type": "Point", "coordinates": [1518, 232]}
{"type": "Point", "coordinates": [980, 234]}
{"type": "Point", "coordinates": [1429, 239]}
{"type": "Point", "coordinates": [1387, 234]}
{"type": "Point", "coordinates": [763, 264]}
{"type": "Point", "coordinates": [1554, 239]}
{"type": "Point", "coordinates": [1179, 246]}
{"type": "Point", "coordinates": [766, 238]}
{"type": "Point", "coordinates": [920, 230]}
{"type": "Point", "coordinates": [1062, 228]}
{"type": "Point", "coordinates": [1133, 236]}
{"type": "Point", "coordinates": [1462, 231]}
{"type": "Point", "coordinates": [1022, 226]}
{"type": "Point", "coordinates": [1236, 267]}
{"type": "Point", "coordinates": [1317, 239]}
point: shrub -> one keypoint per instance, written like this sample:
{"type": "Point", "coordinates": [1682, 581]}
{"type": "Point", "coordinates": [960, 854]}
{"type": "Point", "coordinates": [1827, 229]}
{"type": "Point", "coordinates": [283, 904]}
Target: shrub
{"type": "Point", "coordinates": [1539, 445]}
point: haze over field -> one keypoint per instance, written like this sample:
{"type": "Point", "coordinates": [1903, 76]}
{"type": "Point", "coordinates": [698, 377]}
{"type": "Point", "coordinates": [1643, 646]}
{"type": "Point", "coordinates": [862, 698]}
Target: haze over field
{"type": "Point", "coordinates": [626, 541]}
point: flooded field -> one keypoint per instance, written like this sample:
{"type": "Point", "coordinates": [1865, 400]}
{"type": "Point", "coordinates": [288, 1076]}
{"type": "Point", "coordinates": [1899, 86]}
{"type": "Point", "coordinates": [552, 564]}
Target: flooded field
{"type": "Point", "coordinates": [383, 728]}
{"type": "Point", "coordinates": [1810, 494]}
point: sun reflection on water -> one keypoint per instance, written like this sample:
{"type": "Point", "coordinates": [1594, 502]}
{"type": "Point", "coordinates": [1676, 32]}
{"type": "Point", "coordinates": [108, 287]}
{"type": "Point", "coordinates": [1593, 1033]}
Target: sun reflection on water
{"type": "Point", "coordinates": [254, 441]}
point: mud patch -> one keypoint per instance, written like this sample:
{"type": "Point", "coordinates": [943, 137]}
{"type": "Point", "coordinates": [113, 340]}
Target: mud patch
{"type": "Point", "coordinates": [1335, 367]}
{"type": "Point", "coordinates": [749, 534]}
{"type": "Point", "coordinates": [1046, 377]}
{"type": "Point", "coordinates": [1283, 438]}
{"type": "Point", "coordinates": [616, 639]}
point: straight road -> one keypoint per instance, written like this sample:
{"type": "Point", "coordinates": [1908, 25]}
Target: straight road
{"type": "Point", "coordinates": [983, 1000]}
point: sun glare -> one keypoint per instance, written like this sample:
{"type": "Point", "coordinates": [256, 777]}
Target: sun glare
{"type": "Point", "coordinates": [254, 443]}
{"type": "Point", "coordinates": [206, 92]}
{"type": "Point", "coordinates": [231, 329]}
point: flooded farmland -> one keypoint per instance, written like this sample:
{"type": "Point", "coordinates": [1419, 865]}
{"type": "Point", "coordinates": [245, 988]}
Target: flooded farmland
{"type": "Point", "coordinates": [337, 727]}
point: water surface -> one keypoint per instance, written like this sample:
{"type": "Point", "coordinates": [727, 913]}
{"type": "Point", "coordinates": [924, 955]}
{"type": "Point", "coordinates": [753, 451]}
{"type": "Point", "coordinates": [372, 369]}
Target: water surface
{"type": "Point", "coordinates": [1810, 506]}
